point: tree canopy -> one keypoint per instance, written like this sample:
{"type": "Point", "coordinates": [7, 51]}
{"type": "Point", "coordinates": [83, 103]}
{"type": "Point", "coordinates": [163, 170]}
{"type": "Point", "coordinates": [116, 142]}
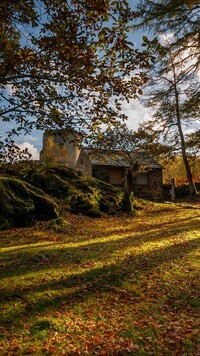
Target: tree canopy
{"type": "Point", "coordinates": [67, 63]}
{"type": "Point", "coordinates": [177, 17]}
{"type": "Point", "coordinates": [168, 96]}
{"type": "Point", "coordinates": [177, 24]}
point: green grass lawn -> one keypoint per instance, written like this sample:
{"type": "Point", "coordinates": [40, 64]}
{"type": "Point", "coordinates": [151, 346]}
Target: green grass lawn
{"type": "Point", "coordinates": [108, 286]}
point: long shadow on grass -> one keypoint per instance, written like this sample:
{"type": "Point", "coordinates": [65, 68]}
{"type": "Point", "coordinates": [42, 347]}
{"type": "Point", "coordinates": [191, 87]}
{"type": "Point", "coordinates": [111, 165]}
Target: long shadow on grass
{"type": "Point", "coordinates": [41, 258]}
{"type": "Point", "coordinates": [139, 226]}
{"type": "Point", "coordinates": [13, 238]}
{"type": "Point", "coordinates": [76, 288]}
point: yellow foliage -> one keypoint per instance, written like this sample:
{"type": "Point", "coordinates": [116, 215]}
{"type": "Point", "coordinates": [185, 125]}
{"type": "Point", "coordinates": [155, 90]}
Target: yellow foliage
{"type": "Point", "coordinates": [176, 169]}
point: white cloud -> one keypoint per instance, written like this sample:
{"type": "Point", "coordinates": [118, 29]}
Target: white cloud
{"type": "Point", "coordinates": [33, 140]}
{"type": "Point", "coordinates": [10, 88]}
{"type": "Point", "coordinates": [187, 57]}
{"type": "Point", "coordinates": [166, 38]}
{"type": "Point", "coordinates": [31, 148]}
{"type": "Point", "coordinates": [136, 113]}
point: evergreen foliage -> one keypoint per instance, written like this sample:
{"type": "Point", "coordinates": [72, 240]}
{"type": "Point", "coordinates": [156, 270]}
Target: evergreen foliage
{"type": "Point", "coordinates": [174, 86]}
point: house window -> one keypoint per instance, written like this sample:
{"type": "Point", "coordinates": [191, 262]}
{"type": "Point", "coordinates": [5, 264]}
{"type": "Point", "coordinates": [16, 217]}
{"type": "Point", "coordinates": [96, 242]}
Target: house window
{"type": "Point", "coordinates": [81, 161]}
{"type": "Point", "coordinates": [115, 176]}
{"type": "Point", "coordinates": [142, 179]}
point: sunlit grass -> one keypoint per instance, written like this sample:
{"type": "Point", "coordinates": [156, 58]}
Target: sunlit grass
{"type": "Point", "coordinates": [108, 286]}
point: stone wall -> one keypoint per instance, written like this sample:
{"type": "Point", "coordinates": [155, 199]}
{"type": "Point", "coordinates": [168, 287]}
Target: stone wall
{"type": "Point", "coordinates": [59, 149]}
{"type": "Point", "coordinates": [84, 164]}
{"type": "Point", "coordinates": [109, 174]}
{"type": "Point", "coordinates": [154, 189]}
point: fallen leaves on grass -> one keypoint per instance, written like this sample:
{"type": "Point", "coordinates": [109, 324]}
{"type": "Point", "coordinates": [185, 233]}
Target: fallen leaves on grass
{"type": "Point", "coordinates": [112, 286]}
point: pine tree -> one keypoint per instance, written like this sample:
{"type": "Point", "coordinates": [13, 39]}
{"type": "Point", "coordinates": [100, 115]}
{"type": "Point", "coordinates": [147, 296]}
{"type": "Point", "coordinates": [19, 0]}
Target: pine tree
{"type": "Point", "coordinates": [178, 21]}
{"type": "Point", "coordinates": [175, 87]}
{"type": "Point", "coordinates": [166, 95]}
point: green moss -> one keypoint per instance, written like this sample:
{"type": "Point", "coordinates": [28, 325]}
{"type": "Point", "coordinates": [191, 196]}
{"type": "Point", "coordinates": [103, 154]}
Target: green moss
{"type": "Point", "coordinates": [58, 225]}
{"type": "Point", "coordinates": [4, 223]}
{"type": "Point", "coordinates": [21, 204]}
{"type": "Point", "coordinates": [80, 203]}
{"type": "Point", "coordinates": [195, 302]}
{"type": "Point", "coordinates": [93, 213]}
{"type": "Point", "coordinates": [16, 205]}
{"type": "Point", "coordinates": [72, 190]}
{"type": "Point", "coordinates": [83, 185]}
{"type": "Point", "coordinates": [64, 172]}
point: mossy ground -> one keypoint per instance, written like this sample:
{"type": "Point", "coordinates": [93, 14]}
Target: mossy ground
{"type": "Point", "coordinates": [117, 285]}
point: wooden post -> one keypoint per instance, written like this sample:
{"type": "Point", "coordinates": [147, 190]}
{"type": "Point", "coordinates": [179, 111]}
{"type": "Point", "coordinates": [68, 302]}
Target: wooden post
{"type": "Point", "coordinates": [173, 196]}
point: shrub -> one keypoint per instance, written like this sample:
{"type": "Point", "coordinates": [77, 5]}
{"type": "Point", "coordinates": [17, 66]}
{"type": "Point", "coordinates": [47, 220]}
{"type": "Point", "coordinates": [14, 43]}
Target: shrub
{"type": "Point", "coordinates": [167, 191]}
{"type": "Point", "coordinates": [182, 190]}
{"type": "Point", "coordinates": [127, 202]}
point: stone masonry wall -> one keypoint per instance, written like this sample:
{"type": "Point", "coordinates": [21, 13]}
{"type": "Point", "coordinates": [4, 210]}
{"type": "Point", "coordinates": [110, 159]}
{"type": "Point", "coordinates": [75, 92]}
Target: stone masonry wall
{"type": "Point", "coordinates": [60, 150]}
{"type": "Point", "coordinates": [154, 189]}
{"type": "Point", "coordinates": [84, 164]}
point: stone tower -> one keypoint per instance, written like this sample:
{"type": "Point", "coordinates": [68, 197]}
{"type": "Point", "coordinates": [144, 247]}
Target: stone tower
{"type": "Point", "coordinates": [60, 148]}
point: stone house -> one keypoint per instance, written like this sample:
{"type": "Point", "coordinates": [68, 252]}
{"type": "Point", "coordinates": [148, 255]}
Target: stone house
{"type": "Point", "coordinates": [109, 166]}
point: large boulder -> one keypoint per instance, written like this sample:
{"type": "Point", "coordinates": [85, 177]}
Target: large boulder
{"type": "Point", "coordinates": [79, 193]}
{"type": "Point", "coordinates": [70, 188]}
{"type": "Point", "coordinates": [21, 204]}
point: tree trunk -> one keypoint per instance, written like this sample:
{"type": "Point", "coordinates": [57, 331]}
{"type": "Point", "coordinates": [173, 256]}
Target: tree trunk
{"type": "Point", "coordinates": [127, 181]}
{"type": "Point", "coordinates": [126, 202]}
{"type": "Point", "coordinates": [192, 187]}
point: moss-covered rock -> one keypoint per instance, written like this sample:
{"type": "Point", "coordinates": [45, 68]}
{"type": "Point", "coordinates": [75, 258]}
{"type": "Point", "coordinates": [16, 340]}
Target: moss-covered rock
{"type": "Point", "coordinates": [80, 203]}
{"type": "Point", "coordinates": [71, 189]}
{"type": "Point", "coordinates": [58, 225]}
{"type": "Point", "coordinates": [51, 183]}
{"type": "Point", "coordinates": [93, 213]}
{"type": "Point", "coordinates": [21, 204]}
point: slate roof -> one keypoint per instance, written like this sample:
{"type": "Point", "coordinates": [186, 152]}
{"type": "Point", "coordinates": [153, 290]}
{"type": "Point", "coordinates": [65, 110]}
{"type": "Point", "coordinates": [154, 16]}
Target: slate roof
{"type": "Point", "coordinates": [121, 159]}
